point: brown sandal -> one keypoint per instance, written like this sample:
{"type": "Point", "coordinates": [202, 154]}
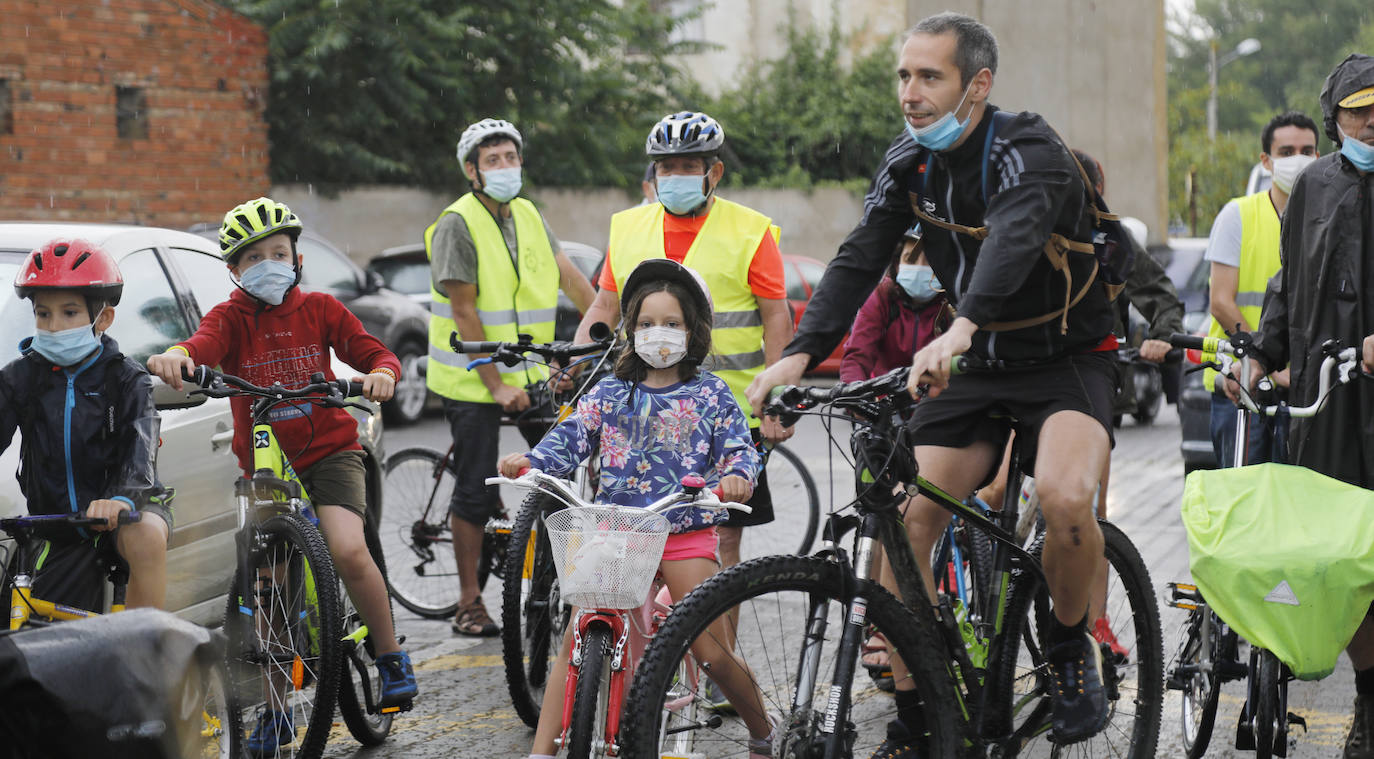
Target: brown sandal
{"type": "Point", "coordinates": [473, 620]}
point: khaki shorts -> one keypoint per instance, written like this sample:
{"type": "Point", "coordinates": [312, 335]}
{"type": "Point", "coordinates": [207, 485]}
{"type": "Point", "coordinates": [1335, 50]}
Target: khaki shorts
{"type": "Point", "coordinates": [339, 479]}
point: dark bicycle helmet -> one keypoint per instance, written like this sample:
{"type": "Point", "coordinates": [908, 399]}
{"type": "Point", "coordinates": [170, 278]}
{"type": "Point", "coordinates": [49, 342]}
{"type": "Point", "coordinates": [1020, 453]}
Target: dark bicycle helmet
{"type": "Point", "coordinates": [687, 133]}
{"type": "Point", "coordinates": [661, 269]}
{"type": "Point", "coordinates": [65, 264]}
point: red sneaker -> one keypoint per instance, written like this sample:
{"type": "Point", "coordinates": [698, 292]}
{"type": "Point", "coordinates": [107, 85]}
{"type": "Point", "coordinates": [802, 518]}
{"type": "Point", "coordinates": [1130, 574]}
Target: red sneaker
{"type": "Point", "coordinates": [1102, 633]}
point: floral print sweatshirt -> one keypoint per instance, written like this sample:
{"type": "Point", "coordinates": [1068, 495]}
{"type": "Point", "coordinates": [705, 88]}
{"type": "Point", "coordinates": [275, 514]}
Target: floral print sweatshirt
{"type": "Point", "coordinates": [650, 438]}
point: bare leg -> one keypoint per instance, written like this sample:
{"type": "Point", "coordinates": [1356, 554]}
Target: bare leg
{"type": "Point", "coordinates": [467, 551]}
{"type": "Point", "coordinates": [143, 545]}
{"type": "Point", "coordinates": [343, 531]}
{"type": "Point", "coordinates": [1072, 450]}
{"type": "Point", "coordinates": [1361, 648]}
{"type": "Point", "coordinates": [730, 538]}
{"type": "Point", "coordinates": [1099, 600]}
{"type": "Point", "coordinates": [551, 711]}
{"type": "Point", "coordinates": [992, 493]}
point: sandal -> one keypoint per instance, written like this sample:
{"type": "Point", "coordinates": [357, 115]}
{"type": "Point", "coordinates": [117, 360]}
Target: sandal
{"type": "Point", "coordinates": [473, 620]}
{"type": "Point", "coordinates": [877, 659]}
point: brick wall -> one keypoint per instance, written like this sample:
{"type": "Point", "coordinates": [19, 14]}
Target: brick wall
{"type": "Point", "coordinates": [202, 70]}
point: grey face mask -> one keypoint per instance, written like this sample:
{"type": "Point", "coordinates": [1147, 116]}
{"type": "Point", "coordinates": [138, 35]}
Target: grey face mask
{"type": "Point", "coordinates": [268, 281]}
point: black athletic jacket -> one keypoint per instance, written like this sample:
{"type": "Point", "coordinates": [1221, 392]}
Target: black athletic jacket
{"type": "Point", "coordinates": [1034, 190]}
{"type": "Point", "coordinates": [87, 434]}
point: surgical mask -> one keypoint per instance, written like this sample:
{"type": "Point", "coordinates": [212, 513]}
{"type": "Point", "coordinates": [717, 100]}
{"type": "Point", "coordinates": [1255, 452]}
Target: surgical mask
{"type": "Point", "coordinates": [66, 347]}
{"type": "Point", "coordinates": [941, 133]}
{"type": "Point", "coordinates": [918, 281]}
{"type": "Point", "coordinates": [1287, 169]}
{"type": "Point", "coordinates": [268, 281]}
{"type": "Point", "coordinates": [501, 185]}
{"type": "Point", "coordinates": [1360, 154]}
{"type": "Point", "coordinates": [681, 193]}
{"type": "Point", "coordinates": [661, 347]}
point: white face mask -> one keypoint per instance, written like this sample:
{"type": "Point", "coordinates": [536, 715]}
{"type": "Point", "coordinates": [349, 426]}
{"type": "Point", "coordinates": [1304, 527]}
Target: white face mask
{"type": "Point", "coordinates": [1287, 169]}
{"type": "Point", "coordinates": [661, 347]}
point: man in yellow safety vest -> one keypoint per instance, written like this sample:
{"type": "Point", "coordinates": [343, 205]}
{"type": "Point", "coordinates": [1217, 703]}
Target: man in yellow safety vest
{"type": "Point", "coordinates": [496, 269]}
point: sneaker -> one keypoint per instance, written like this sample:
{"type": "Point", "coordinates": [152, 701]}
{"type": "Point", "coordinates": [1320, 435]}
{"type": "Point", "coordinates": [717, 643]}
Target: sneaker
{"type": "Point", "coordinates": [398, 679]}
{"type": "Point", "coordinates": [1359, 743]}
{"type": "Point", "coordinates": [715, 699]}
{"type": "Point", "coordinates": [901, 743]}
{"type": "Point", "coordinates": [1102, 633]}
{"type": "Point", "coordinates": [274, 730]}
{"type": "Point", "coordinates": [1077, 698]}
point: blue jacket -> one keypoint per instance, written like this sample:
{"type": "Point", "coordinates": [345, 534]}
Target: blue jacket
{"type": "Point", "coordinates": [88, 433]}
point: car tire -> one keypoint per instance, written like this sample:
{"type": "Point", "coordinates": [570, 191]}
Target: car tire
{"type": "Point", "coordinates": [408, 405]}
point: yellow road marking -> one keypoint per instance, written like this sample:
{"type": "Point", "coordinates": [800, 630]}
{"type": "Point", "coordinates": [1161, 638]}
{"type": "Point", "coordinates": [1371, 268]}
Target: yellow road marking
{"type": "Point", "coordinates": [460, 661]}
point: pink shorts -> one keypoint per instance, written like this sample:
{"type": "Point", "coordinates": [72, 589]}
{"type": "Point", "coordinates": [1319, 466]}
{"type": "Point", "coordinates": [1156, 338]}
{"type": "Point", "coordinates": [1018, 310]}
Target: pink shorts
{"type": "Point", "coordinates": [697, 544]}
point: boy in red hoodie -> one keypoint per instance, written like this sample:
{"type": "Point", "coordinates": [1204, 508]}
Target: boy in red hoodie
{"type": "Point", "coordinates": [270, 331]}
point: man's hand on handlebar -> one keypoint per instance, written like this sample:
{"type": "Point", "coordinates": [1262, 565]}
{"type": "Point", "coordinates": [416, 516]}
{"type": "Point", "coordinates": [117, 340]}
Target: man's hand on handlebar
{"type": "Point", "coordinates": [106, 509]}
{"type": "Point", "coordinates": [773, 431]}
{"type": "Point", "coordinates": [1230, 383]}
{"type": "Point", "coordinates": [932, 363]}
{"type": "Point", "coordinates": [378, 386]}
{"type": "Point", "coordinates": [512, 464]}
{"type": "Point", "coordinates": [169, 367]}
{"type": "Point", "coordinates": [787, 370]}
{"type": "Point", "coordinates": [1154, 350]}
{"type": "Point", "coordinates": [511, 399]}
{"type": "Point", "coordinates": [735, 488]}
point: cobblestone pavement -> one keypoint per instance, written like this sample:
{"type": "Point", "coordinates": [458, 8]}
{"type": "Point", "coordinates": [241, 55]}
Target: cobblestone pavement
{"type": "Point", "coordinates": [464, 709]}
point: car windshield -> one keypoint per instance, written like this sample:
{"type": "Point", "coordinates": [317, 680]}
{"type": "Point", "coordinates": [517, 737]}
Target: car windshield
{"type": "Point", "coordinates": [409, 277]}
{"type": "Point", "coordinates": [16, 317]}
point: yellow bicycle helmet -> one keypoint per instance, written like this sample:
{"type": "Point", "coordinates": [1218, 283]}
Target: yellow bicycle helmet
{"type": "Point", "coordinates": [252, 221]}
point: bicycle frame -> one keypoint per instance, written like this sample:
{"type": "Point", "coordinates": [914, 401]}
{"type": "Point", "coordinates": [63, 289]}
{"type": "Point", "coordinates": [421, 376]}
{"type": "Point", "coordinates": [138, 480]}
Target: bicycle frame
{"type": "Point", "coordinates": [25, 608]}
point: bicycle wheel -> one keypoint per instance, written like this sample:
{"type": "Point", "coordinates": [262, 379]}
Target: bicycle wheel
{"type": "Point", "coordinates": [789, 623]}
{"type": "Point", "coordinates": [682, 713]}
{"type": "Point", "coordinates": [1200, 687]}
{"type": "Point", "coordinates": [282, 624]}
{"type": "Point", "coordinates": [415, 536]}
{"type": "Point", "coordinates": [217, 731]}
{"type": "Point", "coordinates": [796, 502]}
{"type": "Point", "coordinates": [1133, 675]}
{"type": "Point", "coordinates": [532, 614]}
{"type": "Point", "coordinates": [360, 685]}
{"type": "Point", "coordinates": [587, 729]}
{"type": "Point", "coordinates": [1268, 703]}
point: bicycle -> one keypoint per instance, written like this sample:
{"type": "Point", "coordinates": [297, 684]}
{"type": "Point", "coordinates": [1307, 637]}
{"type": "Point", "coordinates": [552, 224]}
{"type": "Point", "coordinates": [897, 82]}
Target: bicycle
{"type": "Point", "coordinates": [215, 732]}
{"type": "Point", "coordinates": [607, 558]}
{"type": "Point", "coordinates": [1209, 655]}
{"type": "Point", "coordinates": [999, 708]}
{"type": "Point", "coordinates": [290, 627]}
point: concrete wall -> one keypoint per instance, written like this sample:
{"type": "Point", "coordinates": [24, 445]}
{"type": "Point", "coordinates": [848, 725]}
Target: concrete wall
{"type": "Point", "coordinates": [367, 220]}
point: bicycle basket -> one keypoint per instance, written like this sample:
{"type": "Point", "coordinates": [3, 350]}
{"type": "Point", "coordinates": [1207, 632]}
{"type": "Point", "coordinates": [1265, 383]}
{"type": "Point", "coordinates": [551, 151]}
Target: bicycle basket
{"type": "Point", "coordinates": [1285, 556]}
{"type": "Point", "coordinates": [606, 556]}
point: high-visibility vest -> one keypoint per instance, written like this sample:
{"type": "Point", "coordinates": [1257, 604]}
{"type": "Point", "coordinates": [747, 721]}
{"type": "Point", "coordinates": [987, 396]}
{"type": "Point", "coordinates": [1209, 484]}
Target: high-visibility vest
{"type": "Point", "coordinates": [509, 302]}
{"type": "Point", "coordinates": [721, 254]}
{"type": "Point", "coordinates": [1259, 261]}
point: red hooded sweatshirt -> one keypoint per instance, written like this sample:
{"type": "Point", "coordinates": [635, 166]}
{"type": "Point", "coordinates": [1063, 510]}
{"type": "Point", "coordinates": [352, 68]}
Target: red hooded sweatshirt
{"type": "Point", "coordinates": [286, 344]}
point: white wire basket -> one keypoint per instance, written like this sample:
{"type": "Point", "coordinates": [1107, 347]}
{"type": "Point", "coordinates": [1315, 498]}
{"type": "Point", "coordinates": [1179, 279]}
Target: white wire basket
{"type": "Point", "coordinates": [606, 556]}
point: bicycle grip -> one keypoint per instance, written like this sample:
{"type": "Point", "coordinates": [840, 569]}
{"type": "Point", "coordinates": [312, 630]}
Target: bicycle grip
{"type": "Point", "coordinates": [129, 517]}
{"type": "Point", "coordinates": [476, 347]}
{"type": "Point", "coordinates": [1180, 340]}
{"type": "Point", "coordinates": [201, 375]}
{"type": "Point", "coordinates": [349, 388]}
{"type": "Point", "coordinates": [478, 362]}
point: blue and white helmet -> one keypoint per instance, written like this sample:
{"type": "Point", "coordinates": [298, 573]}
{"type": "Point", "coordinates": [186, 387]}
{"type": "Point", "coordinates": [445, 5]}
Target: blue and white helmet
{"type": "Point", "coordinates": [687, 133]}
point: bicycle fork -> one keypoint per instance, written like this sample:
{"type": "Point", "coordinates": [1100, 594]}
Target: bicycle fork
{"type": "Point", "coordinates": [619, 663]}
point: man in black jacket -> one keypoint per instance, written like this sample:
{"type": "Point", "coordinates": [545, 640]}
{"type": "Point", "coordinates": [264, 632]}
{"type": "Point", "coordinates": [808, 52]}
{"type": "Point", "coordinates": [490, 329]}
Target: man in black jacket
{"type": "Point", "coordinates": [1013, 305]}
{"type": "Point", "coordinates": [1323, 292]}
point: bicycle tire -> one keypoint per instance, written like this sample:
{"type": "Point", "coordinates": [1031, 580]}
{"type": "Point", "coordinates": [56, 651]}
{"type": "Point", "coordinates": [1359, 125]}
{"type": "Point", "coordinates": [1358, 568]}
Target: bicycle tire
{"type": "Point", "coordinates": [532, 614]}
{"type": "Point", "coordinates": [219, 732]}
{"type": "Point", "coordinates": [1201, 692]}
{"type": "Point", "coordinates": [675, 737]}
{"type": "Point", "coordinates": [1266, 708]}
{"type": "Point", "coordinates": [790, 483]}
{"type": "Point", "coordinates": [360, 663]}
{"type": "Point", "coordinates": [1137, 680]}
{"type": "Point", "coordinates": [414, 532]}
{"type": "Point", "coordinates": [302, 622]}
{"type": "Point", "coordinates": [587, 726]}
{"type": "Point", "coordinates": [793, 586]}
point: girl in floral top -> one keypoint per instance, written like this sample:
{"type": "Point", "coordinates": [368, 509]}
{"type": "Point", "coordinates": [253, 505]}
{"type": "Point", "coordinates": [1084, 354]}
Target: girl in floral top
{"type": "Point", "coordinates": [657, 420]}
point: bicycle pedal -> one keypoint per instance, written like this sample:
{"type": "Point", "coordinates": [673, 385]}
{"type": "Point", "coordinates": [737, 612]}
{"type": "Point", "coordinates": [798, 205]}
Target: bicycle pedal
{"type": "Point", "coordinates": [1297, 719]}
{"type": "Point", "coordinates": [1245, 733]}
{"type": "Point", "coordinates": [407, 706]}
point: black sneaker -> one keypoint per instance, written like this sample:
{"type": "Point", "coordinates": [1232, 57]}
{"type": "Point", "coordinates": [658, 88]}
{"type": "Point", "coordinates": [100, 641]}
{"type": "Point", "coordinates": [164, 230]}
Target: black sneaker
{"type": "Point", "coordinates": [1359, 744]}
{"type": "Point", "coordinates": [1077, 697]}
{"type": "Point", "coordinates": [901, 743]}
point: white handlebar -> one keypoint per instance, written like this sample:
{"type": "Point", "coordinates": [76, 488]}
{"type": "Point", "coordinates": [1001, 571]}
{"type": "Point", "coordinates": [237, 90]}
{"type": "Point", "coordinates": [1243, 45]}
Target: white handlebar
{"type": "Point", "coordinates": [564, 491]}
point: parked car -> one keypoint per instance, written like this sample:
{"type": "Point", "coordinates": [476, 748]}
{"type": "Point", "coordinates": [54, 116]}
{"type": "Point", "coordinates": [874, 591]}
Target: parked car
{"type": "Point", "coordinates": [1190, 272]}
{"type": "Point", "coordinates": [171, 279]}
{"type": "Point", "coordinates": [801, 275]}
{"type": "Point", "coordinates": [399, 323]}
{"type": "Point", "coordinates": [405, 269]}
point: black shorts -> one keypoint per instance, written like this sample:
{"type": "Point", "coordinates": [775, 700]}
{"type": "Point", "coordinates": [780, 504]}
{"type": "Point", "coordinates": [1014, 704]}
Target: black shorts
{"type": "Point", "coordinates": [761, 501]}
{"type": "Point", "coordinates": [476, 429]}
{"type": "Point", "coordinates": [74, 572]}
{"type": "Point", "coordinates": [986, 406]}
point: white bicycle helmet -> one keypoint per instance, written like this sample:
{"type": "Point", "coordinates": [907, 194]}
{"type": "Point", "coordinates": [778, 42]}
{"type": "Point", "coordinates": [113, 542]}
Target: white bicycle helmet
{"type": "Point", "coordinates": [687, 133]}
{"type": "Point", "coordinates": [476, 133]}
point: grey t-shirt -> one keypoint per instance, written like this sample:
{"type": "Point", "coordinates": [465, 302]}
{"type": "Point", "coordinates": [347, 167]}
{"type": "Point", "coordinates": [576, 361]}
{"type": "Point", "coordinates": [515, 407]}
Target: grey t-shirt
{"type": "Point", "coordinates": [454, 255]}
{"type": "Point", "coordinates": [1223, 245]}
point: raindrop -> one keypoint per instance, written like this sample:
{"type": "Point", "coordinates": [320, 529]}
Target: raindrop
{"type": "Point", "coordinates": [51, 200]}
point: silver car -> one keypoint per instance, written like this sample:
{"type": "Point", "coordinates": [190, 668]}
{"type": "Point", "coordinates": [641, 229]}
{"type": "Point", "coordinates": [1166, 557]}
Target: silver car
{"type": "Point", "coordinates": [170, 280]}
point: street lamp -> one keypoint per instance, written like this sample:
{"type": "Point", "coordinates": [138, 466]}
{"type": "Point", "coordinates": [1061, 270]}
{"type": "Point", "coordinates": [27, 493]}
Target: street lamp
{"type": "Point", "coordinates": [1246, 47]}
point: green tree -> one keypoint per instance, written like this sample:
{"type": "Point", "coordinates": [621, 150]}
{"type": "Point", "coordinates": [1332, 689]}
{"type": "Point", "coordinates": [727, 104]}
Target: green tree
{"type": "Point", "coordinates": [366, 91]}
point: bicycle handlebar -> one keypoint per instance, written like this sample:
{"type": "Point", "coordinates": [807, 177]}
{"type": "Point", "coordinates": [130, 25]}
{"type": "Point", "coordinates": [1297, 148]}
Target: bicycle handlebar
{"type": "Point", "coordinates": [511, 354]}
{"type": "Point", "coordinates": [38, 522]}
{"type": "Point", "coordinates": [533, 479]}
{"type": "Point", "coordinates": [220, 385]}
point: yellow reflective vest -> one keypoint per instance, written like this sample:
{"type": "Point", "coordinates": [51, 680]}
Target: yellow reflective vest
{"type": "Point", "coordinates": [721, 254]}
{"type": "Point", "coordinates": [509, 302]}
{"type": "Point", "coordinates": [1259, 261]}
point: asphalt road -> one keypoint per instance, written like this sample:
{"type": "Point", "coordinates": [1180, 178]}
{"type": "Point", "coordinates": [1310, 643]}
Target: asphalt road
{"type": "Point", "coordinates": [464, 709]}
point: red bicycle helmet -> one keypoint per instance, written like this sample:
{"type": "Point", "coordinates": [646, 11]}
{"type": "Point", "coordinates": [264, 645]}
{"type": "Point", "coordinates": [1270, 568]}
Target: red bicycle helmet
{"type": "Point", "coordinates": [71, 265]}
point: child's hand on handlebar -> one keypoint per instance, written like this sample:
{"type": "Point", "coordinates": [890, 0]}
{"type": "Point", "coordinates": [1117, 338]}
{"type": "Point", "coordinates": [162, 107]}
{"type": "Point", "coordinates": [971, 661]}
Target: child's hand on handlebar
{"type": "Point", "coordinates": [512, 464]}
{"type": "Point", "coordinates": [734, 488]}
{"type": "Point", "coordinates": [377, 386]}
{"type": "Point", "coordinates": [169, 367]}
{"type": "Point", "coordinates": [106, 509]}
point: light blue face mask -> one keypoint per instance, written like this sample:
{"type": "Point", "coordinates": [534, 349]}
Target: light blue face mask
{"type": "Point", "coordinates": [1360, 154]}
{"type": "Point", "coordinates": [918, 281]}
{"type": "Point", "coordinates": [681, 193]}
{"type": "Point", "coordinates": [941, 133]}
{"type": "Point", "coordinates": [66, 347]}
{"type": "Point", "coordinates": [502, 185]}
{"type": "Point", "coordinates": [268, 281]}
